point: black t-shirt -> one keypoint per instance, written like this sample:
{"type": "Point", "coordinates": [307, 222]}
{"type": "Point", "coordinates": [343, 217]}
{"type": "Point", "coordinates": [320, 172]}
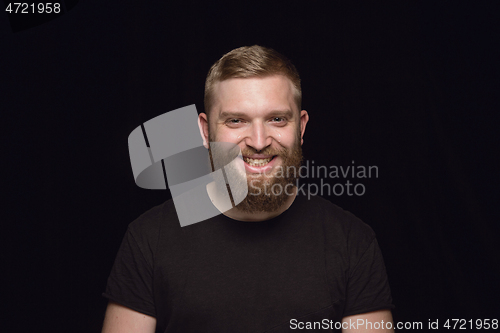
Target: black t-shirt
{"type": "Point", "coordinates": [313, 262]}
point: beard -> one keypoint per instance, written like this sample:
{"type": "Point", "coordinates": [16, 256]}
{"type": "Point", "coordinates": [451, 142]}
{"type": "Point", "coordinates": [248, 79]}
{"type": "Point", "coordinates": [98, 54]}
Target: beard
{"type": "Point", "coordinates": [267, 192]}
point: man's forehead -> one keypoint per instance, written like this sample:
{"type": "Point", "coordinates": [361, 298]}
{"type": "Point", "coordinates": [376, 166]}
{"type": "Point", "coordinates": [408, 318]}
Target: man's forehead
{"type": "Point", "coordinates": [245, 96]}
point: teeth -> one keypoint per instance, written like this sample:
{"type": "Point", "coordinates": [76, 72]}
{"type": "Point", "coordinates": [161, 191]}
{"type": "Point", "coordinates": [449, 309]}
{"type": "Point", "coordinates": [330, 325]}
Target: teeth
{"type": "Point", "coordinates": [257, 162]}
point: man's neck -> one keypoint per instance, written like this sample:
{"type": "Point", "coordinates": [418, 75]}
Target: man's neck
{"type": "Point", "coordinates": [236, 214]}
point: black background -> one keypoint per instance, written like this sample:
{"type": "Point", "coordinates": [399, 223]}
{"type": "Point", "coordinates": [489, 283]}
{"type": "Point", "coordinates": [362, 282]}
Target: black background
{"type": "Point", "coordinates": [409, 87]}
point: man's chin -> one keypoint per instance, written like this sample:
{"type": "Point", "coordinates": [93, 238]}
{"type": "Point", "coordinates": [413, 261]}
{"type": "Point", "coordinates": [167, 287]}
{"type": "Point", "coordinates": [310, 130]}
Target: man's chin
{"type": "Point", "coordinates": [265, 194]}
{"type": "Point", "coordinates": [261, 203]}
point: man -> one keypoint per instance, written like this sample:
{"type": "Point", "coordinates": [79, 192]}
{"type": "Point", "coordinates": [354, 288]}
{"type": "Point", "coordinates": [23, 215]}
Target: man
{"type": "Point", "coordinates": [277, 261]}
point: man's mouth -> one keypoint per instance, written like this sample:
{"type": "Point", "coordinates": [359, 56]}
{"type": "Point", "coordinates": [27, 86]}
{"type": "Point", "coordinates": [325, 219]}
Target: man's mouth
{"type": "Point", "coordinates": [258, 162]}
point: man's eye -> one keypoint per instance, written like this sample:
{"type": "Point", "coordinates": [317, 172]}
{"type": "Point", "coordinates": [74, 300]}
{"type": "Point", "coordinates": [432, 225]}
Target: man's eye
{"type": "Point", "coordinates": [233, 121]}
{"type": "Point", "coordinates": [279, 119]}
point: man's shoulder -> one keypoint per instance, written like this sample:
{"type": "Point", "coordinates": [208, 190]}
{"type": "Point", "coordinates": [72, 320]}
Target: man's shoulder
{"type": "Point", "coordinates": [157, 218]}
{"type": "Point", "coordinates": [337, 221]}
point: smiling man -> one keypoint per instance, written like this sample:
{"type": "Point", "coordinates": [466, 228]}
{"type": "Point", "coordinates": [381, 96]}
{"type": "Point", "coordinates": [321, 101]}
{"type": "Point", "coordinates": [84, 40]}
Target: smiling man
{"type": "Point", "coordinates": [276, 262]}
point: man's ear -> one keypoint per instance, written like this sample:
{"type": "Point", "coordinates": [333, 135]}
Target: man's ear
{"type": "Point", "coordinates": [203, 125]}
{"type": "Point", "coordinates": [304, 118]}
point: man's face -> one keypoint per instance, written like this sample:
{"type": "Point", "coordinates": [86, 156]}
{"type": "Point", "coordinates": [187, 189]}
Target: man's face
{"type": "Point", "coordinates": [261, 117]}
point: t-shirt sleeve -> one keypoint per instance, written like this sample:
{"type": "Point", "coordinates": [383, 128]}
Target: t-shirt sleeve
{"type": "Point", "coordinates": [368, 287]}
{"type": "Point", "coordinates": [130, 282]}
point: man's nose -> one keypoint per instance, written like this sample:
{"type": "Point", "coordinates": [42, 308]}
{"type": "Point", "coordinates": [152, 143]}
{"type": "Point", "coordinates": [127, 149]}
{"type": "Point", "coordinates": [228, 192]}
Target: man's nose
{"type": "Point", "coordinates": [259, 137]}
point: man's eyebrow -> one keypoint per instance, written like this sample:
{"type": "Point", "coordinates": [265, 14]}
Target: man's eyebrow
{"type": "Point", "coordinates": [282, 113]}
{"type": "Point", "coordinates": [231, 114]}
{"type": "Point", "coordinates": [275, 113]}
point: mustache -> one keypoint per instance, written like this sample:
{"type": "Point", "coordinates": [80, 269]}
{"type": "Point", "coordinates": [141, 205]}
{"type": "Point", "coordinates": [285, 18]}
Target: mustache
{"type": "Point", "coordinates": [268, 151]}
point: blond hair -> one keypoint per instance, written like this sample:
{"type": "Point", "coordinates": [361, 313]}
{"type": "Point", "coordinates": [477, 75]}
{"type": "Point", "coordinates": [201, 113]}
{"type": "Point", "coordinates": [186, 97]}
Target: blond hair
{"type": "Point", "coordinates": [251, 61]}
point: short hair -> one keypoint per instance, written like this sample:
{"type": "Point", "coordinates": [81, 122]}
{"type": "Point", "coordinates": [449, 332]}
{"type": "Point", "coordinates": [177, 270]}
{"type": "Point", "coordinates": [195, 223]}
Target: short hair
{"type": "Point", "coordinates": [251, 61]}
